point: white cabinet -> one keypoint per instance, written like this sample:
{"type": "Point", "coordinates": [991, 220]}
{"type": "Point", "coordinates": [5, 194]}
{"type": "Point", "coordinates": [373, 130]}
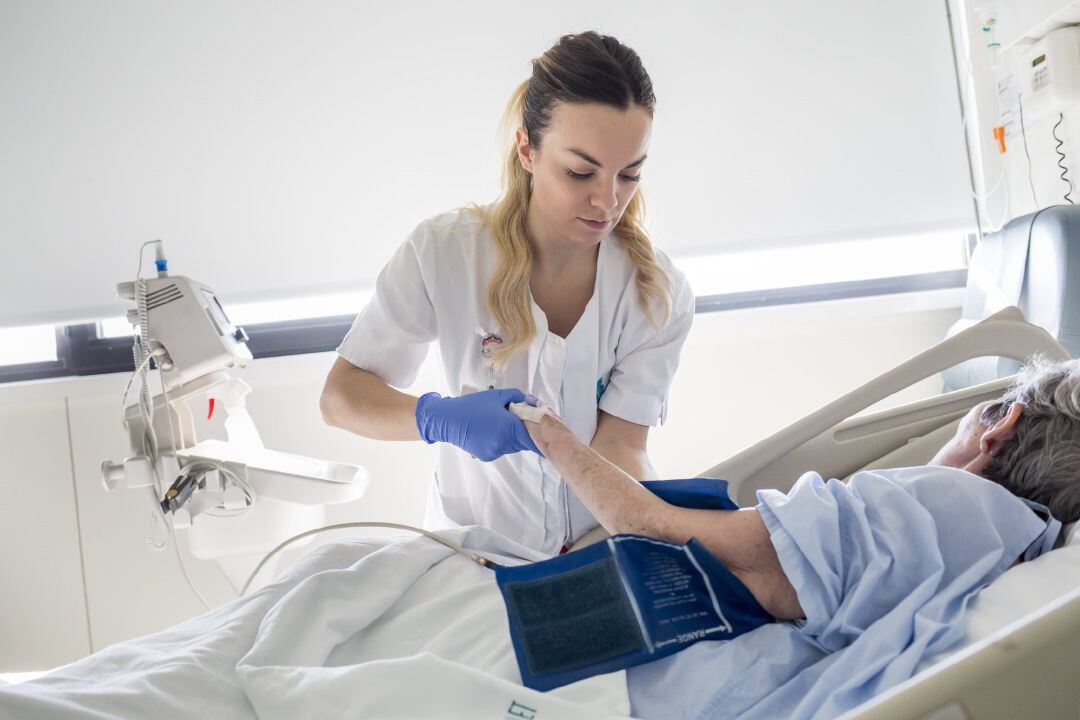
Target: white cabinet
{"type": "Point", "coordinates": [42, 606]}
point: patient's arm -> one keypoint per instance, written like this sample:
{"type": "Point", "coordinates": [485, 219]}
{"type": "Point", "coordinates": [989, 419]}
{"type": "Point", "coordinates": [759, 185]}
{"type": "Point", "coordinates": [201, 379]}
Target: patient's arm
{"type": "Point", "coordinates": [738, 539]}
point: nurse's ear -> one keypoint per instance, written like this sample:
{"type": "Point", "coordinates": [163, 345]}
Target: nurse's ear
{"type": "Point", "coordinates": [525, 150]}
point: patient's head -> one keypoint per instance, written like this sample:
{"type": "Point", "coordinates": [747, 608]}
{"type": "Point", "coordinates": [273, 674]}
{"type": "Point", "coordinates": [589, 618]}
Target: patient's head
{"type": "Point", "coordinates": [1028, 440]}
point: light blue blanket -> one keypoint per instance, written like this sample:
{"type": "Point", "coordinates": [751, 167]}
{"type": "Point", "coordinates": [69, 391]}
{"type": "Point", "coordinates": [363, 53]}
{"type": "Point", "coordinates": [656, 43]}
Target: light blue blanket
{"type": "Point", "coordinates": [884, 567]}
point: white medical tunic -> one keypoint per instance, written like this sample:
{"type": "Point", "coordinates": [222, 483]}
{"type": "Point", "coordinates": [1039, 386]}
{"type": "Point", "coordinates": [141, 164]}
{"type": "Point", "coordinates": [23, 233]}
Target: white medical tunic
{"type": "Point", "coordinates": [434, 288]}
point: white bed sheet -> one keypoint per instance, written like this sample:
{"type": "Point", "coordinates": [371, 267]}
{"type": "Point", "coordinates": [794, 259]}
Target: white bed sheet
{"type": "Point", "coordinates": [443, 632]}
{"type": "Point", "coordinates": [359, 629]}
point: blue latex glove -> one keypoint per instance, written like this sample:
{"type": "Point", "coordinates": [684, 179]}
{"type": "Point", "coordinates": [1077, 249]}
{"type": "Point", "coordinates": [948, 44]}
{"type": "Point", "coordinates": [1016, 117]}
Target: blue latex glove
{"type": "Point", "coordinates": [478, 423]}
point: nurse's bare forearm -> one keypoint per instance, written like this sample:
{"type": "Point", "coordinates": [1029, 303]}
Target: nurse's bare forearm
{"type": "Point", "coordinates": [632, 460]}
{"type": "Point", "coordinates": [358, 401]}
{"type": "Point", "coordinates": [738, 539]}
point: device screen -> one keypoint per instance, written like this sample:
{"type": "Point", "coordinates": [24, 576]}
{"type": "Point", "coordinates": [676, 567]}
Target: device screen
{"type": "Point", "coordinates": [216, 309]}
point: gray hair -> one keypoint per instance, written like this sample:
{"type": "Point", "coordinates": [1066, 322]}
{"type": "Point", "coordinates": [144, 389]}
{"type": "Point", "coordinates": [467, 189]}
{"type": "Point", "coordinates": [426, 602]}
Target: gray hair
{"type": "Point", "coordinates": [1042, 460]}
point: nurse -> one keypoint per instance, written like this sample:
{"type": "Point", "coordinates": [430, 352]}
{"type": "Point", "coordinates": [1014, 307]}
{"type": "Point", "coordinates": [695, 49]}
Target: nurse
{"type": "Point", "coordinates": [555, 290]}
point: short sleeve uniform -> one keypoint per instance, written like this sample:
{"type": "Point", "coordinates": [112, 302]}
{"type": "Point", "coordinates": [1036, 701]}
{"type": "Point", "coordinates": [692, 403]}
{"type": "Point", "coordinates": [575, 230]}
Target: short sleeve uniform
{"type": "Point", "coordinates": [434, 289]}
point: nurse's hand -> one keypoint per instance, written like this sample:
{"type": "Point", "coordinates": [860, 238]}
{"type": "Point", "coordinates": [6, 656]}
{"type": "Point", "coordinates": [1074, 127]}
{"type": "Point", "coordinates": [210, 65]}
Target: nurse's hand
{"type": "Point", "coordinates": [478, 423]}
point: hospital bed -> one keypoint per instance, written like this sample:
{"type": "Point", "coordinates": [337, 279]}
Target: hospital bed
{"type": "Point", "coordinates": [1032, 269]}
{"type": "Point", "coordinates": [1030, 667]}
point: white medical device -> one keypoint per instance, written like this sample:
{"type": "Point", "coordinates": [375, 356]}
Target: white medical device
{"type": "Point", "coordinates": [233, 497]}
{"type": "Point", "coordinates": [192, 327]}
{"type": "Point", "coordinates": [1051, 72]}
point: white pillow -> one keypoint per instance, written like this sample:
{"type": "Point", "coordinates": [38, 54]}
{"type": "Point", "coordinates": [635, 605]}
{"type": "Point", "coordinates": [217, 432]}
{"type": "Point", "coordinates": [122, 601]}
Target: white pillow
{"type": "Point", "coordinates": [1020, 590]}
{"type": "Point", "coordinates": [1071, 536]}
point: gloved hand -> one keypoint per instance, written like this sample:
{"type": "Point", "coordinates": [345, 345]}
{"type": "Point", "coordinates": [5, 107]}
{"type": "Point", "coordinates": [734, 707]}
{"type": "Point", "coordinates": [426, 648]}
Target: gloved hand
{"type": "Point", "coordinates": [478, 423]}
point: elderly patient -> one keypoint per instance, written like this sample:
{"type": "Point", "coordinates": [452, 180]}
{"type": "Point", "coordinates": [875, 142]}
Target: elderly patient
{"type": "Point", "coordinates": [1027, 442]}
{"type": "Point", "coordinates": [881, 567]}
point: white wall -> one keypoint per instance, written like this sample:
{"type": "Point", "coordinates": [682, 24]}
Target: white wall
{"type": "Point", "coordinates": [747, 374]}
{"type": "Point", "coordinates": [307, 139]}
{"type": "Point", "coordinates": [41, 564]}
{"type": "Point", "coordinates": [744, 374]}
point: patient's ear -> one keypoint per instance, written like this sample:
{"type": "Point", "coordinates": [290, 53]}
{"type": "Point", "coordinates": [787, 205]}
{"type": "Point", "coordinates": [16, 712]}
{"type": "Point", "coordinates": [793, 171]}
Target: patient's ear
{"type": "Point", "coordinates": [991, 441]}
{"type": "Point", "coordinates": [1003, 431]}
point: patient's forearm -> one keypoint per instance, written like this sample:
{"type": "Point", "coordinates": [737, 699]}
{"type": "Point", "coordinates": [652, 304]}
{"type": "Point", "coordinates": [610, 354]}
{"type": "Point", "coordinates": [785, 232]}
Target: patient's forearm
{"type": "Point", "coordinates": [738, 539]}
{"type": "Point", "coordinates": [617, 500]}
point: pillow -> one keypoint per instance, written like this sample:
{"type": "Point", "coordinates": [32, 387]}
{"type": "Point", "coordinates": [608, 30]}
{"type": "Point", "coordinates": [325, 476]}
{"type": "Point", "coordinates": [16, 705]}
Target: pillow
{"type": "Point", "coordinates": [1020, 590]}
{"type": "Point", "coordinates": [1071, 536]}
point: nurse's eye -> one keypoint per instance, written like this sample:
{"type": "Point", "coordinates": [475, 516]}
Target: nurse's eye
{"type": "Point", "coordinates": [577, 175]}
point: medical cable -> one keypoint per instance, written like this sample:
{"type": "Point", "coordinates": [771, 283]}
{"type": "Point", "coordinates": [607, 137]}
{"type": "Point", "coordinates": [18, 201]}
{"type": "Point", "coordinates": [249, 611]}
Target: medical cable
{"type": "Point", "coordinates": [1061, 159]}
{"type": "Point", "coordinates": [140, 351]}
{"type": "Point", "coordinates": [984, 197]}
{"type": "Point", "coordinates": [476, 558]}
{"type": "Point", "coordinates": [158, 352]}
{"type": "Point", "coordinates": [963, 110]}
{"type": "Point", "coordinates": [530, 410]}
{"type": "Point", "coordinates": [193, 473]}
{"type": "Point", "coordinates": [184, 570]}
{"type": "Point", "coordinates": [142, 355]}
{"type": "Point", "coordinates": [1023, 134]}
{"type": "Point", "coordinates": [245, 487]}
{"type": "Point", "coordinates": [157, 520]}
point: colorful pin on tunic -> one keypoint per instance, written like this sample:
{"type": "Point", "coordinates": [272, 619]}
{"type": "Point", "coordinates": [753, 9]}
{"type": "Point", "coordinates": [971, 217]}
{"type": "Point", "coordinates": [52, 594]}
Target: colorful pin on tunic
{"type": "Point", "coordinates": [490, 345]}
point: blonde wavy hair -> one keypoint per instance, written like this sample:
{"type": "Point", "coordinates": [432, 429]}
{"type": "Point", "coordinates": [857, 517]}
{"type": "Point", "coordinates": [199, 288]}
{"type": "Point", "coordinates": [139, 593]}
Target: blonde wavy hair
{"type": "Point", "coordinates": [588, 67]}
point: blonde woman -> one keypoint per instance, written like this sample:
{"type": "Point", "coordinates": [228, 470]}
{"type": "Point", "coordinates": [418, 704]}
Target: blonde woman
{"type": "Point", "coordinates": [555, 291]}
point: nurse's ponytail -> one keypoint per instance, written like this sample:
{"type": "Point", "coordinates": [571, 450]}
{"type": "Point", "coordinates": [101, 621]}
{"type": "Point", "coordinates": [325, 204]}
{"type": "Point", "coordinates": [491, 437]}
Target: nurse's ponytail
{"type": "Point", "coordinates": [579, 68]}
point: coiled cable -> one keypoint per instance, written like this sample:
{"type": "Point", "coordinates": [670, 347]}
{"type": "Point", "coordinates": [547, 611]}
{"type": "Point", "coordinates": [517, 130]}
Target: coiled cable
{"type": "Point", "coordinates": [1061, 159]}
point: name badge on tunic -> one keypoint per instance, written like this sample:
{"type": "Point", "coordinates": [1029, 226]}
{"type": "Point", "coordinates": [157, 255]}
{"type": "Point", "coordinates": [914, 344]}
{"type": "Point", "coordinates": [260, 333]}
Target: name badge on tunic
{"type": "Point", "coordinates": [489, 347]}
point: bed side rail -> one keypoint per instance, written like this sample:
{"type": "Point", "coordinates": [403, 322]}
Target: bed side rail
{"type": "Point", "coordinates": [833, 444]}
{"type": "Point", "coordinates": [1026, 670]}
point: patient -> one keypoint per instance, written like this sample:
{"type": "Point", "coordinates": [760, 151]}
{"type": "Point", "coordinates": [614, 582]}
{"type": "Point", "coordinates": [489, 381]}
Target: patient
{"type": "Point", "coordinates": [881, 567]}
{"type": "Point", "coordinates": [1027, 442]}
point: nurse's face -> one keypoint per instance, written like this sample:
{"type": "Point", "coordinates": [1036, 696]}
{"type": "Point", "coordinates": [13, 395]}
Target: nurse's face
{"type": "Point", "coordinates": [586, 169]}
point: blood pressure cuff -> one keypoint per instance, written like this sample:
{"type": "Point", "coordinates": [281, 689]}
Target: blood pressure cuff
{"type": "Point", "coordinates": [625, 601]}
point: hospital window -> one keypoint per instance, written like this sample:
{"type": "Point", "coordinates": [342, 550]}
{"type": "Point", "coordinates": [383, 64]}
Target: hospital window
{"type": "Point", "coordinates": [722, 281]}
{"type": "Point", "coordinates": [26, 345]}
{"type": "Point", "coordinates": [800, 266]}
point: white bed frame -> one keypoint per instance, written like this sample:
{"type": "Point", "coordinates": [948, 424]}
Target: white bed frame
{"type": "Point", "coordinates": [1030, 669]}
